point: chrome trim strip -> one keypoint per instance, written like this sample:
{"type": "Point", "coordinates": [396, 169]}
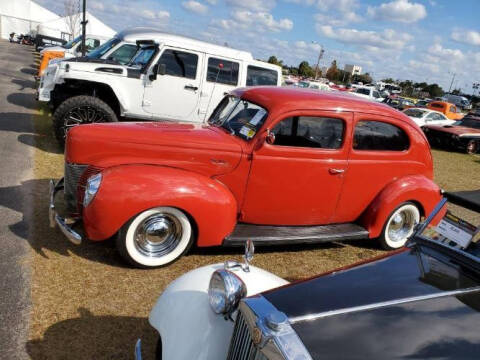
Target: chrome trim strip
{"type": "Point", "coordinates": [138, 350]}
{"type": "Point", "coordinates": [71, 234]}
{"type": "Point", "coordinates": [51, 208]}
{"type": "Point", "coordinates": [310, 317]}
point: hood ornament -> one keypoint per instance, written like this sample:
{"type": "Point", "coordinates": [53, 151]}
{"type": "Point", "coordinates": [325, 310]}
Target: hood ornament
{"type": "Point", "coordinates": [248, 257]}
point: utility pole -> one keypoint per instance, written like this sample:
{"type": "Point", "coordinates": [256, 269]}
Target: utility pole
{"type": "Point", "coordinates": [320, 55]}
{"type": "Point", "coordinates": [451, 83]}
{"type": "Point", "coordinates": [84, 26]}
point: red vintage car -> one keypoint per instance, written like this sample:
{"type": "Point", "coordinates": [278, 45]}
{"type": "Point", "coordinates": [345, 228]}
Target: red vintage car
{"type": "Point", "coordinates": [275, 165]}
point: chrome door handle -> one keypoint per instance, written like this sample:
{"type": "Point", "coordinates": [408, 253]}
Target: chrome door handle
{"type": "Point", "coordinates": [191, 87]}
{"type": "Point", "coordinates": [336, 171]}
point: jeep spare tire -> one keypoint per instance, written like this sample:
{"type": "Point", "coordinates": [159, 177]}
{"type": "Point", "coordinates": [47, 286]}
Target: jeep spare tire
{"type": "Point", "coordinates": [79, 110]}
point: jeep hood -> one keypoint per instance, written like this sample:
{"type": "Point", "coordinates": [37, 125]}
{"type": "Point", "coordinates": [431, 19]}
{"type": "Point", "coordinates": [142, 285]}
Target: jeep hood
{"type": "Point", "coordinates": [200, 148]}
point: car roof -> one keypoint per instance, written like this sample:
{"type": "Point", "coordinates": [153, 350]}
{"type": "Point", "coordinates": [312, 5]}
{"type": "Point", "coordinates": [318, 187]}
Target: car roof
{"type": "Point", "coordinates": [293, 98]}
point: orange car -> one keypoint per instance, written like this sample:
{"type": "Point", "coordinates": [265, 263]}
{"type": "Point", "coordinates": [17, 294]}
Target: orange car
{"type": "Point", "coordinates": [46, 57]}
{"type": "Point", "coordinates": [450, 110]}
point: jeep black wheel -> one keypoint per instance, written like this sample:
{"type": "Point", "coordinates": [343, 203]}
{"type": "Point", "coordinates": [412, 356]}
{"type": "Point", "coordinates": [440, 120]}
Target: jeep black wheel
{"type": "Point", "coordinates": [80, 110]}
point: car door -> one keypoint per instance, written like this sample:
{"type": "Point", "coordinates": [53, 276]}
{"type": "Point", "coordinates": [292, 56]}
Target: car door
{"type": "Point", "coordinates": [297, 180]}
{"type": "Point", "coordinates": [175, 94]}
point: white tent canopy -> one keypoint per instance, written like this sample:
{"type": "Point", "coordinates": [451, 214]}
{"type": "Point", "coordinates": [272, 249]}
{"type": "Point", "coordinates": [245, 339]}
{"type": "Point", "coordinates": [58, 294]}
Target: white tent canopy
{"type": "Point", "coordinates": [22, 17]}
{"type": "Point", "coordinates": [58, 27]}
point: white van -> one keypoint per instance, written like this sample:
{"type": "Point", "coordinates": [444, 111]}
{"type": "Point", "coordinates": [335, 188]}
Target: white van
{"type": "Point", "coordinates": [170, 77]}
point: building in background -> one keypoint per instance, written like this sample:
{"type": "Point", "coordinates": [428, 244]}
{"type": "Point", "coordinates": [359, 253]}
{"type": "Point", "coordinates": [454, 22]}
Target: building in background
{"type": "Point", "coordinates": [353, 69]}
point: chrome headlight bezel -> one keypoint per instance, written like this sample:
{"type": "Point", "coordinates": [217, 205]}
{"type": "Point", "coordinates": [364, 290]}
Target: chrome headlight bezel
{"type": "Point", "coordinates": [225, 291]}
{"type": "Point", "coordinates": [91, 188]}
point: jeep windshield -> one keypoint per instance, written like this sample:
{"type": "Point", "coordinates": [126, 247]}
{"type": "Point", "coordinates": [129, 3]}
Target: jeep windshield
{"type": "Point", "coordinates": [142, 57]}
{"type": "Point", "coordinates": [103, 49]}
{"type": "Point", "coordinates": [239, 117]}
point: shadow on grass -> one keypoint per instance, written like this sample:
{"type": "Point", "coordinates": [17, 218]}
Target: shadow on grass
{"type": "Point", "coordinates": [29, 71]}
{"type": "Point", "coordinates": [94, 337]}
{"type": "Point", "coordinates": [30, 84]}
{"type": "Point", "coordinates": [23, 99]}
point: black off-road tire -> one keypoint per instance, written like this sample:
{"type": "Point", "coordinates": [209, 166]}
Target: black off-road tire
{"type": "Point", "coordinates": [81, 103]}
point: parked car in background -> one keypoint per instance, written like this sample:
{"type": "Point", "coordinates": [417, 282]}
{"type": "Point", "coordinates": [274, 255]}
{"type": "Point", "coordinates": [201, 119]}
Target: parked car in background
{"type": "Point", "coordinates": [422, 117]}
{"type": "Point", "coordinates": [369, 93]}
{"type": "Point", "coordinates": [463, 135]}
{"type": "Point", "coordinates": [446, 108]}
{"type": "Point", "coordinates": [69, 50]}
{"type": "Point", "coordinates": [460, 102]}
{"type": "Point", "coordinates": [170, 77]}
{"type": "Point", "coordinates": [422, 302]}
{"type": "Point", "coordinates": [422, 103]}
{"type": "Point", "coordinates": [345, 168]}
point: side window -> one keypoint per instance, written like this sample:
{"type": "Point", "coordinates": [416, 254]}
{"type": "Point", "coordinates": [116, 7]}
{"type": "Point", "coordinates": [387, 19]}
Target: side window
{"type": "Point", "coordinates": [91, 44]}
{"type": "Point", "coordinates": [123, 54]}
{"type": "Point", "coordinates": [432, 116]}
{"type": "Point", "coordinates": [377, 135]}
{"type": "Point", "coordinates": [376, 94]}
{"type": "Point", "coordinates": [453, 109]}
{"type": "Point", "coordinates": [179, 63]}
{"type": "Point", "coordinates": [222, 71]}
{"type": "Point", "coordinates": [309, 131]}
{"type": "Point", "coordinates": [261, 76]}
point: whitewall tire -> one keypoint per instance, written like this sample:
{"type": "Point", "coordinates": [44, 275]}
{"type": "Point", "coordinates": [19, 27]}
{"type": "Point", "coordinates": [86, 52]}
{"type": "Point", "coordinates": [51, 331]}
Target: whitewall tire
{"type": "Point", "coordinates": [399, 226]}
{"type": "Point", "coordinates": [155, 237]}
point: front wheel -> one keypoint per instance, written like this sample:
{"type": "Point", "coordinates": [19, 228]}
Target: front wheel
{"type": "Point", "coordinates": [155, 237]}
{"type": "Point", "coordinates": [79, 110]}
{"type": "Point", "coordinates": [399, 226]}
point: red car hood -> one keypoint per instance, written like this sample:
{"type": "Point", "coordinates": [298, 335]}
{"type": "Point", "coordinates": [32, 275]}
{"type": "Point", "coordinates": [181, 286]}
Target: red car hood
{"type": "Point", "coordinates": [197, 147]}
{"type": "Point", "coordinates": [455, 130]}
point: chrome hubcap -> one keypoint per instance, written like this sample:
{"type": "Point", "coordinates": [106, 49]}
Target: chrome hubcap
{"type": "Point", "coordinates": [158, 235]}
{"type": "Point", "coordinates": [401, 225]}
{"type": "Point", "coordinates": [83, 115]}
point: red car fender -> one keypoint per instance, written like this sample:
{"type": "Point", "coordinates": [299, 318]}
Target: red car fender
{"type": "Point", "coordinates": [415, 188]}
{"type": "Point", "coordinates": [127, 190]}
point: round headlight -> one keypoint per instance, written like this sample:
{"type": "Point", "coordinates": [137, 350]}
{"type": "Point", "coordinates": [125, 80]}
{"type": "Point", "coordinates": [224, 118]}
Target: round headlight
{"type": "Point", "coordinates": [91, 188]}
{"type": "Point", "coordinates": [225, 291]}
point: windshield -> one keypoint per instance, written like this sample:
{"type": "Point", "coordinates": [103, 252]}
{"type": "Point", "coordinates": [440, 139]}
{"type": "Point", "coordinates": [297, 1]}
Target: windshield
{"type": "Point", "coordinates": [72, 43]}
{"type": "Point", "coordinates": [416, 113]}
{"type": "Point", "coordinates": [239, 117]}
{"type": "Point", "coordinates": [103, 49]}
{"type": "Point", "coordinates": [471, 123]}
{"type": "Point", "coordinates": [142, 57]}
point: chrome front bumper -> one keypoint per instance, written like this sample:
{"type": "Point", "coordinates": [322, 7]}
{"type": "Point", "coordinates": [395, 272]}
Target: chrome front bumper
{"type": "Point", "coordinates": [64, 224]}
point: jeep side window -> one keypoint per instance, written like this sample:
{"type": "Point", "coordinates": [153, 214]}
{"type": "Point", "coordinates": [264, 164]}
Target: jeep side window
{"type": "Point", "coordinates": [226, 74]}
{"type": "Point", "coordinates": [261, 76]}
{"type": "Point", "coordinates": [123, 54]}
{"type": "Point", "coordinates": [310, 131]}
{"type": "Point", "coordinates": [179, 63]}
{"type": "Point", "coordinates": [379, 136]}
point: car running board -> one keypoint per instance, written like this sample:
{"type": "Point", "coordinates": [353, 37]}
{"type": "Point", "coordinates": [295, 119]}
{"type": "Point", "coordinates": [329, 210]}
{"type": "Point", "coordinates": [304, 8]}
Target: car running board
{"type": "Point", "coordinates": [275, 235]}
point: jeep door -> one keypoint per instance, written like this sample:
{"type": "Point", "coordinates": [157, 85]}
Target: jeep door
{"type": "Point", "coordinates": [298, 179]}
{"type": "Point", "coordinates": [175, 93]}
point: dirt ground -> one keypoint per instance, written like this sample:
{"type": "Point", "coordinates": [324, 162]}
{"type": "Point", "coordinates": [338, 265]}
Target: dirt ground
{"type": "Point", "coordinates": [87, 304]}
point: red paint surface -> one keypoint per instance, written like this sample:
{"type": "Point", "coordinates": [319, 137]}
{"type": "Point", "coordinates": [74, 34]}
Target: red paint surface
{"type": "Point", "coordinates": [216, 177]}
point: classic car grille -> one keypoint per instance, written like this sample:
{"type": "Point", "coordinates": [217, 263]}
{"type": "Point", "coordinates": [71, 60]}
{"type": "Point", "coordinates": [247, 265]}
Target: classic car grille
{"type": "Point", "coordinates": [73, 172]}
{"type": "Point", "coordinates": [241, 344]}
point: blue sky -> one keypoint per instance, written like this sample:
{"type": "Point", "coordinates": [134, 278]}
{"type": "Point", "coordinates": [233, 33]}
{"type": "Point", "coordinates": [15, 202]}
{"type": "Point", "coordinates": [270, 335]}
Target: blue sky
{"type": "Point", "coordinates": [422, 40]}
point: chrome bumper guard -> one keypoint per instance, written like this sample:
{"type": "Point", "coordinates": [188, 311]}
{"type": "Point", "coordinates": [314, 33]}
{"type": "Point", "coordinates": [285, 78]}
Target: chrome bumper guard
{"type": "Point", "coordinates": [138, 350]}
{"type": "Point", "coordinates": [63, 223]}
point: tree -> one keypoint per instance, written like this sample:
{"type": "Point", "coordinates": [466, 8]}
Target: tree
{"type": "Point", "coordinates": [72, 16]}
{"type": "Point", "coordinates": [304, 69]}
{"type": "Point", "coordinates": [388, 81]}
{"type": "Point", "coordinates": [332, 72]}
{"type": "Point", "coordinates": [363, 78]}
{"type": "Point", "coordinates": [434, 90]}
{"type": "Point", "coordinates": [273, 60]}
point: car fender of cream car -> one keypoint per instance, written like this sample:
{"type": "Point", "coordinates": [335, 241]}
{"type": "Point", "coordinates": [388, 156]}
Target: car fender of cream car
{"type": "Point", "coordinates": [188, 327]}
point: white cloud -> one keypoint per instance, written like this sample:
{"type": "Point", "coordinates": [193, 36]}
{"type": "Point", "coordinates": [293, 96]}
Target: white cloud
{"type": "Point", "coordinates": [95, 5]}
{"type": "Point", "coordinates": [163, 15]}
{"type": "Point", "coordinates": [147, 14]}
{"type": "Point", "coordinates": [441, 53]}
{"type": "Point", "coordinates": [211, 2]}
{"type": "Point", "coordinates": [398, 10]}
{"type": "Point", "coordinates": [387, 39]}
{"type": "Point", "coordinates": [195, 7]}
{"type": "Point", "coordinates": [343, 6]}
{"type": "Point", "coordinates": [470, 37]}
{"type": "Point", "coordinates": [253, 5]}
{"type": "Point", "coordinates": [255, 21]}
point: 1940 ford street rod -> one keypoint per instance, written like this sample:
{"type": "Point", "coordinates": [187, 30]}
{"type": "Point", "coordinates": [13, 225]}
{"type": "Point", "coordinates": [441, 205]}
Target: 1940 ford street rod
{"type": "Point", "coordinates": [274, 165]}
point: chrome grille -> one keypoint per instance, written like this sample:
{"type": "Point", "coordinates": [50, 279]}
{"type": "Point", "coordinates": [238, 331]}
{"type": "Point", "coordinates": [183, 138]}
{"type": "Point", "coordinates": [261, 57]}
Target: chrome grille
{"type": "Point", "coordinates": [241, 344]}
{"type": "Point", "coordinates": [73, 173]}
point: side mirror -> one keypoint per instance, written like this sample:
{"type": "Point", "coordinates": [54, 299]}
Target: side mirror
{"type": "Point", "coordinates": [270, 138]}
{"type": "Point", "coordinates": [162, 69]}
{"type": "Point", "coordinates": [153, 75]}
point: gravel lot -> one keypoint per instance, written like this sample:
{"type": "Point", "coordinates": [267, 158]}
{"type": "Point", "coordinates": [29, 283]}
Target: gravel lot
{"type": "Point", "coordinates": [86, 304]}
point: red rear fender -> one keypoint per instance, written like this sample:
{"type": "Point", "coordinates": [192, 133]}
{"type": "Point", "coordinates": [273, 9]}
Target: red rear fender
{"type": "Point", "coordinates": [126, 191]}
{"type": "Point", "coordinates": [415, 188]}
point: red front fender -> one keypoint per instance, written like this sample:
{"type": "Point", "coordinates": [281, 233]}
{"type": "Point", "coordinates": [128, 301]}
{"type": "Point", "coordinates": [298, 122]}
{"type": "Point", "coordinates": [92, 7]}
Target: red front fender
{"type": "Point", "coordinates": [126, 191]}
{"type": "Point", "coordinates": [415, 188]}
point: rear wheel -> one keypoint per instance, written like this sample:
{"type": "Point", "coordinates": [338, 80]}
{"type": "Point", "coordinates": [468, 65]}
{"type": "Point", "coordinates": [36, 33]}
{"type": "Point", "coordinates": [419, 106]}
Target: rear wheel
{"type": "Point", "coordinates": [472, 147]}
{"type": "Point", "coordinates": [79, 110]}
{"type": "Point", "coordinates": [399, 226]}
{"type": "Point", "coordinates": [155, 237]}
